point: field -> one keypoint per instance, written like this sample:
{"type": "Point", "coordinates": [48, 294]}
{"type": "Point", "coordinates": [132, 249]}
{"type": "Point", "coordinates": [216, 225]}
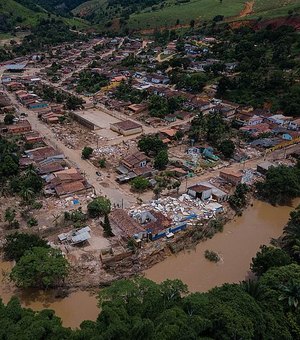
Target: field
{"type": "Point", "coordinates": [275, 8]}
{"type": "Point", "coordinates": [198, 10]}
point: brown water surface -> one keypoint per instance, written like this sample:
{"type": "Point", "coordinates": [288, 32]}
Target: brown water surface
{"type": "Point", "coordinates": [237, 245]}
{"type": "Point", "coordinates": [73, 309]}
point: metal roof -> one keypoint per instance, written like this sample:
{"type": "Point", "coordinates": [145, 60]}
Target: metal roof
{"type": "Point", "coordinates": [15, 66]}
{"type": "Point", "coordinates": [81, 237]}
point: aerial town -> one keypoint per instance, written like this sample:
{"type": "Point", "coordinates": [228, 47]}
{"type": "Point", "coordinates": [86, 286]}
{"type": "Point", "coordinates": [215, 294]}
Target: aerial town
{"type": "Point", "coordinates": [83, 114]}
{"type": "Point", "coordinates": [149, 169]}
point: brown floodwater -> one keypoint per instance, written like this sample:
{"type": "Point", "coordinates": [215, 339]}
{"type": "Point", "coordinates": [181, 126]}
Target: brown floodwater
{"type": "Point", "coordinates": [73, 309]}
{"type": "Point", "coordinates": [238, 243]}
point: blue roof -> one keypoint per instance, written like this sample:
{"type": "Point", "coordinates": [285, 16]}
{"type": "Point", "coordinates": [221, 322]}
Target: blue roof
{"type": "Point", "coordinates": [15, 66]}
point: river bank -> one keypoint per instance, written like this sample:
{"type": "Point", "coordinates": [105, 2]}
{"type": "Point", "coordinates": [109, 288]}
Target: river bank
{"type": "Point", "coordinates": [238, 243]}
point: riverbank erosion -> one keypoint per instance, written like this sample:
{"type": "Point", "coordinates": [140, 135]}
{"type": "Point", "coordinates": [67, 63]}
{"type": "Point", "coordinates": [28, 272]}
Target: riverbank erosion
{"type": "Point", "coordinates": [238, 243]}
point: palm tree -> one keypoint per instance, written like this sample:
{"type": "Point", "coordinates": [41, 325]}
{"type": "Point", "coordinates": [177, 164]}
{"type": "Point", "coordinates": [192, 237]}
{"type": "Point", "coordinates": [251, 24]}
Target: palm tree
{"type": "Point", "coordinates": [30, 170]}
{"type": "Point", "coordinates": [253, 288]}
{"type": "Point", "coordinates": [291, 234]}
{"type": "Point", "coordinates": [291, 294]}
{"type": "Point", "coordinates": [27, 194]}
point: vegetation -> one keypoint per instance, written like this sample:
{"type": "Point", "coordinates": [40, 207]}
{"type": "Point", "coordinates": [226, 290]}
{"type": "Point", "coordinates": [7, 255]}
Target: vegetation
{"type": "Point", "coordinates": [281, 185]}
{"type": "Point", "coordinates": [77, 217]}
{"type": "Point", "coordinates": [267, 307]}
{"type": "Point", "coordinates": [266, 59]}
{"type": "Point", "coordinates": [40, 267]}
{"type": "Point", "coordinates": [140, 184]}
{"type": "Point", "coordinates": [160, 106]}
{"type": "Point", "coordinates": [210, 127]}
{"type": "Point", "coordinates": [87, 152]}
{"type": "Point", "coordinates": [192, 83]}
{"type": "Point", "coordinates": [9, 119]}
{"type": "Point", "coordinates": [91, 82]}
{"type": "Point", "coordinates": [17, 244]}
{"type": "Point", "coordinates": [227, 148]}
{"type": "Point", "coordinates": [99, 206]}
{"type": "Point", "coordinates": [212, 256]}
{"type": "Point", "coordinates": [107, 227]}
{"type": "Point", "coordinates": [291, 235]}
{"type": "Point", "coordinates": [102, 162]}
{"type": "Point", "coordinates": [161, 160]}
{"type": "Point", "coordinates": [238, 200]}
{"type": "Point", "coordinates": [269, 257]}
{"type": "Point", "coordinates": [151, 145]}
{"type": "Point", "coordinates": [126, 92]}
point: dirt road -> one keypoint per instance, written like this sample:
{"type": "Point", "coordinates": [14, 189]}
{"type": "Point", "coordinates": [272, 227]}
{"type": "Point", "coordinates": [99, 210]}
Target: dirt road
{"type": "Point", "coordinates": [247, 10]}
{"type": "Point", "coordinates": [249, 164]}
{"type": "Point", "coordinates": [111, 189]}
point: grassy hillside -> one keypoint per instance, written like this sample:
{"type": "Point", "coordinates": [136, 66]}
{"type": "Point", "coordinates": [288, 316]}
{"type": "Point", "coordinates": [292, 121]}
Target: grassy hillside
{"type": "Point", "coordinates": [275, 8]}
{"type": "Point", "coordinates": [167, 13]}
{"type": "Point", "coordinates": [16, 14]}
{"type": "Point", "coordinates": [16, 10]}
{"type": "Point", "coordinates": [198, 10]}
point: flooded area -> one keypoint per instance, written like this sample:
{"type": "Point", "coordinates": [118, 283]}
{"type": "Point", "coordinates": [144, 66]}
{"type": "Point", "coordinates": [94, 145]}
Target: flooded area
{"type": "Point", "coordinates": [238, 243]}
{"type": "Point", "coordinates": [73, 309]}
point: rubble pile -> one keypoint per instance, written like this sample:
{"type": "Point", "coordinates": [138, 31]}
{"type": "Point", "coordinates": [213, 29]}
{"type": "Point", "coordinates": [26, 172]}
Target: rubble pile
{"type": "Point", "coordinates": [115, 152]}
{"type": "Point", "coordinates": [73, 136]}
{"type": "Point", "coordinates": [178, 210]}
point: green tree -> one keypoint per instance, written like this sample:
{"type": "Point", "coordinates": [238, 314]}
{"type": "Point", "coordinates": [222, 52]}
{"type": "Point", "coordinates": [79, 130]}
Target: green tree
{"type": "Point", "coordinates": [227, 148]}
{"type": "Point", "coordinates": [238, 200]}
{"type": "Point", "coordinates": [99, 206]}
{"type": "Point", "coordinates": [102, 162]}
{"type": "Point", "coordinates": [17, 244]}
{"type": "Point", "coordinates": [140, 183]}
{"type": "Point", "coordinates": [291, 294]}
{"type": "Point", "coordinates": [281, 185]}
{"type": "Point", "coordinates": [87, 152]}
{"type": "Point", "coordinates": [107, 227]}
{"type": "Point", "coordinates": [161, 160]}
{"type": "Point", "coordinates": [267, 258]}
{"type": "Point", "coordinates": [32, 222]}
{"type": "Point", "coordinates": [9, 119]}
{"type": "Point", "coordinates": [291, 235]}
{"type": "Point", "coordinates": [9, 216]}
{"type": "Point", "coordinates": [9, 166]}
{"type": "Point", "coordinates": [73, 103]}
{"type": "Point", "coordinates": [27, 194]}
{"type": "Point", "coordinates": [151, 144]}
{"type": "Point", "coordinates": [40, 267]}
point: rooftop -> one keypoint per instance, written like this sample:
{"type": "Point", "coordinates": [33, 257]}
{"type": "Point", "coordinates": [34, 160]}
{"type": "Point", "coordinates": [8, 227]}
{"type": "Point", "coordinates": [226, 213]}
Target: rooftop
{"type": "Point", "coordinates": [120, 219]}
{"type": "Point", "coordinates": [127, 125]}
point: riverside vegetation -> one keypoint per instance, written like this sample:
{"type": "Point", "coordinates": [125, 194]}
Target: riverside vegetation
{"type": "Point", "coordinates": [266, 307]}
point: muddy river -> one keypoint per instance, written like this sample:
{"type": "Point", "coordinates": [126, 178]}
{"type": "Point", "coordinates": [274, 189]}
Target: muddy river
{"type": "Point", "coordinates": [237, 245]}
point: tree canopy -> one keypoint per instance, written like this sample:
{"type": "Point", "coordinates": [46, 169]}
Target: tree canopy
{"type": "Point", "coordinates": [281, 185]}
{"type": "Point", "coordinates": [17, 244]}
{"type": "Point", "coordinates": [99, 206]}
{"type": "Point", "coordinates": [40, 267]}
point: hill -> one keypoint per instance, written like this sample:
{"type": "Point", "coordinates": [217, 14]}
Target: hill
{"type": "Point", "coordinates": [155, 14]}
{"type": "Point", "coordinates": [14, 14]}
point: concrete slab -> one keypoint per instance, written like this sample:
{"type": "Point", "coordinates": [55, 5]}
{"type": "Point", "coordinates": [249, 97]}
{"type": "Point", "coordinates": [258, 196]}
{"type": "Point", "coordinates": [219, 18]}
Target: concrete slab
{"type": "Point", "coordinates": [98, 118]}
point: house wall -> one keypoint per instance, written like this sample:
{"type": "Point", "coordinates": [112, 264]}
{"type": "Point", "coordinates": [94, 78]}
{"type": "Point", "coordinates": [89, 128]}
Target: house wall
{"type": "Point", "coordinates": [130, 132]}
